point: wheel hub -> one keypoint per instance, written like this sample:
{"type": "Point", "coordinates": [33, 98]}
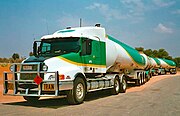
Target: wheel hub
{"type": "Point", "coordinates": [79, 91]}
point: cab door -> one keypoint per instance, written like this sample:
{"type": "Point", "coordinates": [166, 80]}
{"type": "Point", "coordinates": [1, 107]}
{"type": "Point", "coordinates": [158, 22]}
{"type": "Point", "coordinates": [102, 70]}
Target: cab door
{"type": "Point", "coordinates": [93, 56]}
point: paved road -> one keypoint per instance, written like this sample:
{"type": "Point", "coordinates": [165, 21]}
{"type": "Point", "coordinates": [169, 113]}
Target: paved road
{"type": "Point", "coordinates": [161, 98]}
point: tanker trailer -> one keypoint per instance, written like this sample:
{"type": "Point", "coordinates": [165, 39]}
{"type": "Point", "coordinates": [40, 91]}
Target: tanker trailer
{"type": "Point", "coordinates": [73, 62]}
{"type": "Point", "coordinates": [124, 59]}
{"type": "Point", "coordinates": [148, 65]}
{"type": "Point", "coordinates": [167, 66]}
{"type": "Point", "coordinates": [155, 66]}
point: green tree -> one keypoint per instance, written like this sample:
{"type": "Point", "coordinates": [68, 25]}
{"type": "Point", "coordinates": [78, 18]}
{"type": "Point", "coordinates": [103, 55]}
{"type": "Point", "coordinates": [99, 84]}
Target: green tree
{"type": "Point", "coordinates": [30, 53]}
{"type": "Point", "coordinates": [177, 61]}
{"type": "Point", "coordinates": [148, 52]}
{"type": "Point", "coordinates": [15, 56]}
{"type": "Point", "coordinates": [161, 53]}
{"type": "Point", "coordinates": [139, 49]}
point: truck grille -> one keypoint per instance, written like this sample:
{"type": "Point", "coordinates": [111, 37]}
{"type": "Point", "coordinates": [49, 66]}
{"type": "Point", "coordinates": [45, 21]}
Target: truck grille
{"type": "Point", "coordinates": [27, 76]}
{"type": "Point", "coordinates": [30, 71]}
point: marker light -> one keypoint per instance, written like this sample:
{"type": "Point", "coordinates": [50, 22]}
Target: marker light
{"type": "Point", "coordinates": [61, 77]}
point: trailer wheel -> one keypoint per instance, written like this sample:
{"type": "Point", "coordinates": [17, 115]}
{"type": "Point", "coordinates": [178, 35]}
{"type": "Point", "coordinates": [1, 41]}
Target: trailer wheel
{"type": "Point", "coordinates": [148, 77]}
{"type": "Point", "coordinates": [138, 82]}
{"type": "Point", "coordinates": [115, 90]}
{"type": "Point", "coordinates": [142, 79]}
{"type": "Point", "coordinates": [173, 71]}
{"type": "Point", "coordinates": [31, 99]}
{"type": "Point", "coordinates": [123, 85]}
{"type": "Point", "coordinates": [77, 94]}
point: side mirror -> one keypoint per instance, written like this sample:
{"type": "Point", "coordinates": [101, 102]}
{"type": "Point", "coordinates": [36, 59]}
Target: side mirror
{"type": "Point", "coordinates": [35, 48]}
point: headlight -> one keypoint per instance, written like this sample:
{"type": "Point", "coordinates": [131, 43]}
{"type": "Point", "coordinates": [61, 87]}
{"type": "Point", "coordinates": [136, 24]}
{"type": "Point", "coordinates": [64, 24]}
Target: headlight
{"type": "Point", "coordinates": [45, 68]}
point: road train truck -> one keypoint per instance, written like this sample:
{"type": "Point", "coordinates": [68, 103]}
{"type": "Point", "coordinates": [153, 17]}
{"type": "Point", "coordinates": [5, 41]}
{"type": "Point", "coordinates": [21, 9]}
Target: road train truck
{"type": "Point", "coordinates": [73, 62]}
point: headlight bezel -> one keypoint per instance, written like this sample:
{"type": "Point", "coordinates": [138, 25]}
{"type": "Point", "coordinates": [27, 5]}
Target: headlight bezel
{"type": "Point", "coordinates": [11, 68]}
{"type": "Point", "coordinates": [44, 67]}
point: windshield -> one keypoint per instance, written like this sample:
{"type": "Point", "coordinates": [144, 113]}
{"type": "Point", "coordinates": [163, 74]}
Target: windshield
{"type": "Point", "coordinates": [55, 47]}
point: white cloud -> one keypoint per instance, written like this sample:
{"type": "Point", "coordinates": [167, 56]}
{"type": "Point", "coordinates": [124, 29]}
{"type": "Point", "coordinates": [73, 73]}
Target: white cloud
{"type": "Point", "coordinates": [94, 6]}
{"type": "Point", "coordinates": [160, 28]}
{"type": "Point", "coordinates": [70, 20]}
{"type": "Point", "coordinates": [108, 13]}
{"type": "Point", "coordinates": [136, 6]}
{"type": "Point", "coordinates": [132, 13]}
{"type": "Point", "coordinates": [67, 20]}
{"type": "Point", "coordinates": [176, 11]}
{"type": "Point", "coordinates": [162, 3]}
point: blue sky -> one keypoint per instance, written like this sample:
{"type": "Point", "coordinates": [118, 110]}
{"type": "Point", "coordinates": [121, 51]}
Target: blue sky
{"type": "Point", "coordinates": [152, 24]}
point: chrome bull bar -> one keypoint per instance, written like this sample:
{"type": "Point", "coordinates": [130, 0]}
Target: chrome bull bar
{"type": "Point", "coordinates": [13, 85]}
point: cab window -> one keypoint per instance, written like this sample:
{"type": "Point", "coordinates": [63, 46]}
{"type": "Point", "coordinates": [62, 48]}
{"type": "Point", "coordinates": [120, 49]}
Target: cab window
{"type": "Point", "coordinates": [86, 47]}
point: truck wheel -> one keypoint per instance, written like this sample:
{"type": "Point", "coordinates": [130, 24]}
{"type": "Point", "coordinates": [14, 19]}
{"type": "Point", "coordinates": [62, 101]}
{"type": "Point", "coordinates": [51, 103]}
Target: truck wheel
{"type": "Point", "coordinates": [116, 88]}
{"type": "Point", "coordinates": [31, 99]}
{"type": "Point", "coordinates": [77, 94]}
{"type": "Point", "coordinates": [123, 85]}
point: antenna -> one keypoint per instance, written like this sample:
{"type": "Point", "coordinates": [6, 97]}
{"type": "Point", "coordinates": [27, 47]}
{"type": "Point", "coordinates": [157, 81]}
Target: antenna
{"type": "Point", "coordinates": [80, 22]}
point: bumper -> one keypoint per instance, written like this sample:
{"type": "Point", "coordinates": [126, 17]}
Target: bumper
{"type": "Point", "coordinates": [15, 87]}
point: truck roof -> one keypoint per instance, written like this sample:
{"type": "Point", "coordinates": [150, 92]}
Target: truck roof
{"type": "Point", "coordinates": [95, 33]}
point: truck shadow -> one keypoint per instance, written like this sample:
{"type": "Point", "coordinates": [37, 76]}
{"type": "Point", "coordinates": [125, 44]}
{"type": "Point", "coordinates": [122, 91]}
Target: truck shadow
{"type": "Point", "coordinates": [60, 102]}
{"type": "Point", "coordinates": [43, 103]}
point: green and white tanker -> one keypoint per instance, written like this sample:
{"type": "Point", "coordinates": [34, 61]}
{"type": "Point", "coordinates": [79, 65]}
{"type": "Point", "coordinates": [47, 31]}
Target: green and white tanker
{"type": "Point", "coordinates": [167, 66]}
{"type": "Point", "coordinates": [75, 61]}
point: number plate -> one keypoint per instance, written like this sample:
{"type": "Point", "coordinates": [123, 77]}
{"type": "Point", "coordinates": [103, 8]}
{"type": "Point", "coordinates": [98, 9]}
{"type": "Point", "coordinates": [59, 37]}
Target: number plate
{"type": "Point", "coordinates": [27, 67]}
{"type": "Point", "coordinates": [49, 87]}
{"type": "Point", "coordinates": [10, 86]}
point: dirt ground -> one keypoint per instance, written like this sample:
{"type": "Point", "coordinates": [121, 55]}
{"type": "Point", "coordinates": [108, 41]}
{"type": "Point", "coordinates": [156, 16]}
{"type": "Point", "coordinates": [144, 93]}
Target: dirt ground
{"type": "Point", "coordinates": [7, 99]}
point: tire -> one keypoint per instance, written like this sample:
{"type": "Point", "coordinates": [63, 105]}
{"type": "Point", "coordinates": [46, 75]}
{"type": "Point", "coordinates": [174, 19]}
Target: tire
{"type": "Point", "coordinates": [173, 72]}
{"type": "Point", "coordinates": [123, 85]}
{"type": "Point", "coordinates": [141, 80]}
{"type": "Point", "coordinates": [116, 89]}
{"type": "Point", "coordinates": [137, 82]}
{"type": "Point", "coordinates": [31, 99]}
{"type": "Point", "coordinates": [148, 77]}
{"type": "Point", "coordinates": [145, 78]}
{"type": "Point", "coordinates": [77, 94]}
